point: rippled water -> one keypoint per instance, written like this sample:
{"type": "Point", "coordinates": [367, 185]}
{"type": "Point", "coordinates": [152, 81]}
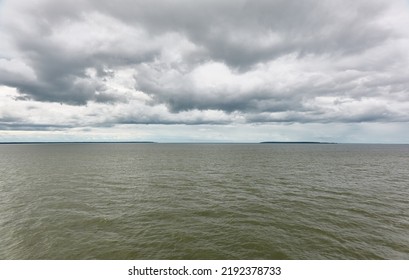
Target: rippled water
{"type": "Point", "coordinates": [194, 201]}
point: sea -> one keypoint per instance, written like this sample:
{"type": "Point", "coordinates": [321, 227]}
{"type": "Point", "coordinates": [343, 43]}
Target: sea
{"type": "Point", "coordinates": [153, 201]}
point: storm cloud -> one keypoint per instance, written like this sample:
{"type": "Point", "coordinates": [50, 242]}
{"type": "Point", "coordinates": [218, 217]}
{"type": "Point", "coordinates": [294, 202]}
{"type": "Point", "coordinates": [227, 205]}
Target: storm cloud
{"type": "Point", "coordinates": [107, 63]}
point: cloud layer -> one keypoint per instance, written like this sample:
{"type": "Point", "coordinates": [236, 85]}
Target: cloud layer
{"type": "Point", "coordinates": [103, 63]}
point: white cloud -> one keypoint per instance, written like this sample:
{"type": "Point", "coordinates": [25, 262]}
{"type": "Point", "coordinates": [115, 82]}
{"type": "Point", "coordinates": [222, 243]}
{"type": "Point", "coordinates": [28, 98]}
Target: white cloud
{"type": "Point", "coordinates": [69, 65]}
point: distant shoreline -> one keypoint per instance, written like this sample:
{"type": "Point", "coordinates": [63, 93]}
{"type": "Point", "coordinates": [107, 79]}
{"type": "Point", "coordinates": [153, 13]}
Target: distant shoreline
{"type": "Point", "coordinates": [302, 142]}
{"type": "Point", "coordinates": [191, 143]}
{"type": "Point", "coordinates": [152, 142]}
{"type": "Point", "coordinates": [83, 142]}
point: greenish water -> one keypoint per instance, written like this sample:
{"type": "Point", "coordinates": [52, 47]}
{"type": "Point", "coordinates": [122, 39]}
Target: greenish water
{"type": "Point", "coordinates": [194, 201]}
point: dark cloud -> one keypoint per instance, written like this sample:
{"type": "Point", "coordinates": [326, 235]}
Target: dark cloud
{"type": "Point", "coordinates": [47, 41]}
{"type": "Point", "coordinates": [265, 61]}
{"type": "Point", "coordinates": [7, 125]}
{"type": "Point", "coordinates": [241, 33]}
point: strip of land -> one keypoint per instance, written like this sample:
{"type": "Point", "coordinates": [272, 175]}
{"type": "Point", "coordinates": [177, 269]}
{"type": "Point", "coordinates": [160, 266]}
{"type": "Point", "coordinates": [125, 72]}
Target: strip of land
{"type": "Point", "coordinates": [87, 142]}
{"type": "Point", "coordinates": [302, 142]}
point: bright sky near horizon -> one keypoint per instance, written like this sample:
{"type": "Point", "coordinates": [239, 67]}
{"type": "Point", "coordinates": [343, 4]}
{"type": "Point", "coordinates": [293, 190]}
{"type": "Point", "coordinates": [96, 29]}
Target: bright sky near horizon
{"type": "Point", "coordinates": [200, 71]}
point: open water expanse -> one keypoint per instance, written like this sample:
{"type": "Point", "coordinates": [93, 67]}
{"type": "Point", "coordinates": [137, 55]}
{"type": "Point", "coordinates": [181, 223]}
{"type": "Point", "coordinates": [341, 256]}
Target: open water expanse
{"type": "Point", "coordinates": [204, 201]}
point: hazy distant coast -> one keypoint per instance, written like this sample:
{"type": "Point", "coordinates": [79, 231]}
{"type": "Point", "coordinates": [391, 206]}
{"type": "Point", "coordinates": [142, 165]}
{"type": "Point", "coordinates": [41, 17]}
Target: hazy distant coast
{"type": "Point", "coordinates": [302, 142]}
{"type": "Point", "coordinates": [84, 142]}
{"type": "Point", "coordinates": [152, 142]}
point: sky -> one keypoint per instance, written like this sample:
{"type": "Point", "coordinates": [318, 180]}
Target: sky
{"type": "Point", "coordinates": [204, 71]}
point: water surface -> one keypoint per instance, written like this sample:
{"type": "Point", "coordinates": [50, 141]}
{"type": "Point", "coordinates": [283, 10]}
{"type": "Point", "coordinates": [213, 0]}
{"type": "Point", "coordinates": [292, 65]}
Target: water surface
{"type": "Point", "coordinates": [204, 201]}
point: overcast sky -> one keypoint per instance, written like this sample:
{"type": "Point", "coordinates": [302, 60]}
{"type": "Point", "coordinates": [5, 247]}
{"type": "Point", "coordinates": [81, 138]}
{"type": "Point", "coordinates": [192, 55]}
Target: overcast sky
{"type": "Point", "coordinates": [198, 71]}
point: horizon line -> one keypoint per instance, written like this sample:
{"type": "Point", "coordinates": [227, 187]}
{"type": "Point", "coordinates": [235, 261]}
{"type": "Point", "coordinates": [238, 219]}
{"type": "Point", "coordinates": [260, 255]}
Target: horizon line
{"type": "Point", "coordinates": [190, 142]}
